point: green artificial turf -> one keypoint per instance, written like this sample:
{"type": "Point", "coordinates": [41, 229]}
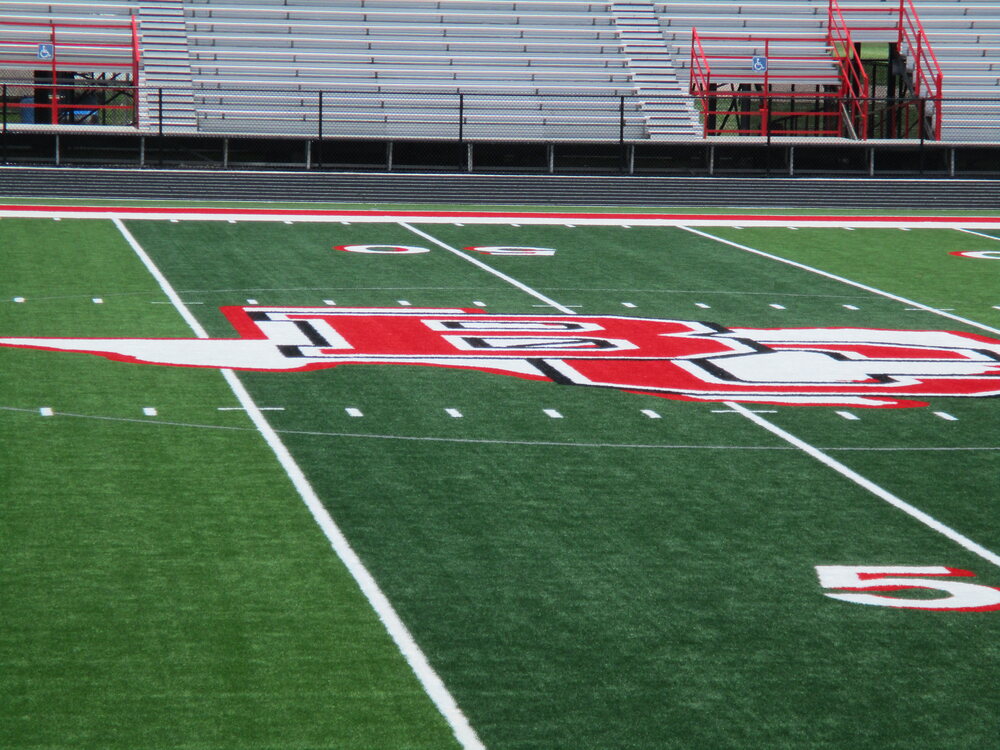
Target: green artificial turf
{"type": "Point", "coordinates": [164, 587]}
{"type": "Point", "coordinates": [635, 597]}
{"type": "Point", "coordinates": [602, 580]}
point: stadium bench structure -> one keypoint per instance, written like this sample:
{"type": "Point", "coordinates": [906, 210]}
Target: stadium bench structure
{"type": "Point", "coordinates": [545, 69]}
{"type": "Point", "coordinates": [538, 70]}
{"type": "Point", "coordinates": [963, 34]}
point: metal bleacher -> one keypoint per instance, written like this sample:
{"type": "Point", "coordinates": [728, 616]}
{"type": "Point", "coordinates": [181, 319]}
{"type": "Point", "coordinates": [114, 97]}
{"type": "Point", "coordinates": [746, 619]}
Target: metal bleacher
{"type": "Point", "coordinates": [966, 39]}
{"type": "Point", "coordinates": [418, 68]}
{"type": "Point", "coordinates": [524, 69]}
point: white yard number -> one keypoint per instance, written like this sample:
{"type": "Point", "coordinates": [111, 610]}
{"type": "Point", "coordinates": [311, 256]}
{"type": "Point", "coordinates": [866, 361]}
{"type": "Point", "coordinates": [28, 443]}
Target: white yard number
{"type": "Point", "coordinates": [958, 596]}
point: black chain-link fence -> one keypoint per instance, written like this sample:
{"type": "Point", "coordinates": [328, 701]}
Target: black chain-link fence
{"type": "Point", "coordinates": [510, 116]}
{"type": "Point", "coordinates": [517, 130]}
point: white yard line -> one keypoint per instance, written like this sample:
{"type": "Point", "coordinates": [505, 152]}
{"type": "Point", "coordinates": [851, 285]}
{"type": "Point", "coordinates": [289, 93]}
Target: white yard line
{"type": "Point", "coordinates": [867, 484]}
{"type": "Point", "coordinates": [843, 280]}
{"type": "Point", "coordinates": [979, 234]}
{"type": "Point", "coordinates": [499, 274]}
{"type": "Point", "coordinates": [812, 451]}
{"type": "Point", "coordinates": [418, 662]}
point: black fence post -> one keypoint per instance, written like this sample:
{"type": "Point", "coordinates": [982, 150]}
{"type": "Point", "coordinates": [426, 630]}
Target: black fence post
{"type": "Point", "coordinates": [159, 124]}
{"type": "Point", "coordinates": [4, 148]}
{"type": "Point", "coordinates": [319, 130]}
{"type": "Point", "coordinates": [621, 119]}
{"type": "Point", "coordinates": [461, 117]}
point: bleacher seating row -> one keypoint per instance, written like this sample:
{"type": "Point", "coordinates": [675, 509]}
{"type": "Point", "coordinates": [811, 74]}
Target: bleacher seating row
{"type": "Point", "coordinates": [549, 69]}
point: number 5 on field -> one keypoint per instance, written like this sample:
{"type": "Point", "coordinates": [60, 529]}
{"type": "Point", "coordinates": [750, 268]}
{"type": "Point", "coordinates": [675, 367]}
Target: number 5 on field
{"type": "Point", "coordinates": [961, 596]}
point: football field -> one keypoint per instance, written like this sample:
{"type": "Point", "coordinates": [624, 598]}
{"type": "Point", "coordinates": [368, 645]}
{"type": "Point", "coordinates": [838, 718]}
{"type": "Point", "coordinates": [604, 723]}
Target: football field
{"type": "Point", "coordinates": [326, 478]}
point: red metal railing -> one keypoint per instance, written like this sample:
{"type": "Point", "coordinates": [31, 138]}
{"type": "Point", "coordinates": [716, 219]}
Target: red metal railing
{"type": "Point", "coordinates": [928, 80]}
{"type": "Point", "coordinates": [904, 24]}
{"type": "Point", "coordinates": [701, 71]}
{"type": "Point", "coordinates": [852, 94]}
{"type": "Point", "coordinates": [853, 78]}
{"type": "Point", "coordinates": [763, 107]}
{"type": "Point", "coordinates": [76, 56]}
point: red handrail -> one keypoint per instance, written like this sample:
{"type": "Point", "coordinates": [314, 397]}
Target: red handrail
{"type": "Point", "coordinates": [911, 38]}
{"type": "Point", "coordinates": [854, 79]}
{"type": "Point", "coordinates": [62, 57]}
{"type": "Point", "coordinates": [926, 70]}
{"type": "Point", "coordinates": [702, 80]}
{"type": "Point", "coordinates": [701, 73]}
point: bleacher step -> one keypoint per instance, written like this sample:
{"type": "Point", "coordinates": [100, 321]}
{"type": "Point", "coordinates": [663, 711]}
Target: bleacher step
{"type": "Point", "coordinates": [652, 68]}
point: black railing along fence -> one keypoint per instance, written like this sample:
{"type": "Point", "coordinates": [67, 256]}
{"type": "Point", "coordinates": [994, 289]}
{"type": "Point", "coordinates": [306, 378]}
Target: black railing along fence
{"type": "Point", "coordinates": [571, 130]}
{"type": "Point", "coordinates": [514, 115]}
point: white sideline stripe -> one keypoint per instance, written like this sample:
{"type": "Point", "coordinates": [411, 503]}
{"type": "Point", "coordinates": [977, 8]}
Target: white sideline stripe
{"type": "Point", "coordinates": [397, 630]}
{"type": "Point", "coordinates": [499, 274]}
{"type": "Point", "coordinates": [843, 280]}
{"type": "Point", "coordinates": [867, 484]}
{"type": "Point", "coordinates": [157, 213]}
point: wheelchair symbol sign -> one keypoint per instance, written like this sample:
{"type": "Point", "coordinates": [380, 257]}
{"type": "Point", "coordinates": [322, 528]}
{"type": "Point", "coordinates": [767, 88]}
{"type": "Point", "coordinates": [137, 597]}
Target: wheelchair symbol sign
{"type": "Point", "coordinates": [46, 51]}
{"type": "Point", "coordinates": [759, 64]}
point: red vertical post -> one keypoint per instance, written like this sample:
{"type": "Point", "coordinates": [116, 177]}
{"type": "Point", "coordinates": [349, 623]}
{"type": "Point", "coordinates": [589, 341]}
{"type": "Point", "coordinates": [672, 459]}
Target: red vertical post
{"type": "Point", "coordinates": [135, 71]}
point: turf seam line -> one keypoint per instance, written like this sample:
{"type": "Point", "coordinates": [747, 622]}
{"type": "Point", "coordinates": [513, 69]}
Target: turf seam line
{"type": "Point", "coordinates": [842, 279]}
{"type": "Point", "coordinates": [526, 443]}
{"type": "Point", "coordinates": [400, 634]}
{"type": "Point", "coordinates": [869, 485]}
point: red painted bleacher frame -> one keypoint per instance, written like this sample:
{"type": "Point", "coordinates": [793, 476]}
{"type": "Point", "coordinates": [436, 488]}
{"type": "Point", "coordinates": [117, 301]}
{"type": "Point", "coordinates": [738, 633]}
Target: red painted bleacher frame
{"type": "Point", "coordinates": [63, 58]}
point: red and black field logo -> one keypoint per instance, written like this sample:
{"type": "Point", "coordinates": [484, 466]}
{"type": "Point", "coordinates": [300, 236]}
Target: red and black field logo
{"type": "Point", "coordinates": [670, 358]}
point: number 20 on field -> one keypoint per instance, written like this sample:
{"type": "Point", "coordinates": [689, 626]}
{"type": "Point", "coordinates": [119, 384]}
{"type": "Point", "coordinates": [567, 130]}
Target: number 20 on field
{"type": "Point", "coordinates": [958, 596]}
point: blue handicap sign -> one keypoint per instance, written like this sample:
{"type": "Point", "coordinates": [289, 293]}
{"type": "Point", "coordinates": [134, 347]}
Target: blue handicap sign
{"type": "Point", "coordinates": [759, 64]}
{"type": "Point", "coordinates": [46, 51]}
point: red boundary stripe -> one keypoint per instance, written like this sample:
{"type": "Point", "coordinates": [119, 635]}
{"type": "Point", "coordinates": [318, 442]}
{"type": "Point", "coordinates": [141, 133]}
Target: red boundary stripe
{"type": "Point", "coordinates": [496, 214]}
